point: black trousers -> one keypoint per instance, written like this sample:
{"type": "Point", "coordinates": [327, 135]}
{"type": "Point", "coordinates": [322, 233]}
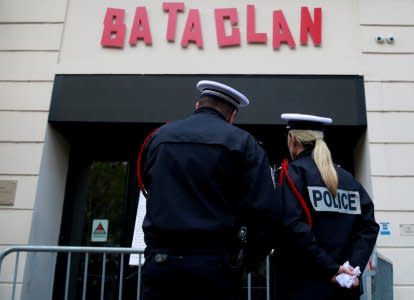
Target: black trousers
{"type": "Point", "coordinates": [190, 277]}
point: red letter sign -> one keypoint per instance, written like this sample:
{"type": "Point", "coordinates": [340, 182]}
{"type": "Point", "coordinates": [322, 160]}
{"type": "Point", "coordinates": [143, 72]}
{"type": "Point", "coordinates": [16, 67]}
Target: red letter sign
{"type": "Point", "coordinates": [227, 40]}
{"type": "Point", "coordinates": [314, 28]}
{"type": "Point", "coordinates": [140, 28]}
{"type": "Point", "coordinates": [172, 8]}
{"type": "Point", "coordinates": [252, 35]}
{"type": "Point", "coordinates": [192, 31]}
{"type": "Point", "coordinates": [281, 31]}
{"type": "Point", "coordinates": [113, 34]}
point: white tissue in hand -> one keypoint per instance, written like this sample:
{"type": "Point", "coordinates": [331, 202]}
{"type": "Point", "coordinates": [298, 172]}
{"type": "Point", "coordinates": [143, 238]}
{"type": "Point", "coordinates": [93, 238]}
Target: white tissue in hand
{"type": "Point", "coordinates": [346, 280]}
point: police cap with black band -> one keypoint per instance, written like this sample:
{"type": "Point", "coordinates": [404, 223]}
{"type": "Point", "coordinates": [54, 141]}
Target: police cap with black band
{"type": "Point", "coordinates": [306, 122]}
{"type": "Point", "coordinates": [223, 93]}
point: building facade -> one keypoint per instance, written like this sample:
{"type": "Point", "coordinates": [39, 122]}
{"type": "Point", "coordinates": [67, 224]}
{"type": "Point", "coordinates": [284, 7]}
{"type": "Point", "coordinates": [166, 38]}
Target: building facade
{"type": "Point", "coordinates": [82, 82]}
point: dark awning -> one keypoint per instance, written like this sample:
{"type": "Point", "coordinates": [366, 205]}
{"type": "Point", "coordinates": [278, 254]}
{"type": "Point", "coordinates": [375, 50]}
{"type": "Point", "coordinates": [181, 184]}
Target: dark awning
{"type": "Point", "coordinates": [160, 98]}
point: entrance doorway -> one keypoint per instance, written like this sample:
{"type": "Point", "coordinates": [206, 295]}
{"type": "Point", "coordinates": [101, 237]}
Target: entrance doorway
{"type": "Point", "coordinates": [102, 185]}
{"type": "Point", "coordinates": [99, 209]}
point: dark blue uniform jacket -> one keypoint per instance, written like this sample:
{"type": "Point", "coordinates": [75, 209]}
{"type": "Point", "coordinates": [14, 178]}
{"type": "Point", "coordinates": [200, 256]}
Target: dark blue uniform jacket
{"type": "Point", "coordinates": [344, 229]}
{"type": "Point", "coordinates": [205, 178]}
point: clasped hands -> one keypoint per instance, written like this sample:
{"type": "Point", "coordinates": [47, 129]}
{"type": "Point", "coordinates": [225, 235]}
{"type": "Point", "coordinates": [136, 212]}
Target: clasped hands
{"type": "Point", "coordinates": [347, 276]}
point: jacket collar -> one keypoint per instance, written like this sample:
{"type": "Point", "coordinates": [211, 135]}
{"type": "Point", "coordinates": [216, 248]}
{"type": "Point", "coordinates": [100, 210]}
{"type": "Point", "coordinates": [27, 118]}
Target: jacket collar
{"type": "Point", "coordinates": [306, 152]}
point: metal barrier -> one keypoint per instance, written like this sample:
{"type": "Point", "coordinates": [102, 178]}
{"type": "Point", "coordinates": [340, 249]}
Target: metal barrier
{"type": "Point", "coordinates": [383, 283]}
{"type": "Point", "coordinates": [377, 279]}
{"type": "Point", "coordinates": [70, 250]}
{"type": "Point", "coordinates": [104, 251]}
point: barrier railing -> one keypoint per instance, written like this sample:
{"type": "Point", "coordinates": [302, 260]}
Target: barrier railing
{"type": "Point", "coordinates": [104, 251]}
{"type": "Point", "coordinates": [70, 250]}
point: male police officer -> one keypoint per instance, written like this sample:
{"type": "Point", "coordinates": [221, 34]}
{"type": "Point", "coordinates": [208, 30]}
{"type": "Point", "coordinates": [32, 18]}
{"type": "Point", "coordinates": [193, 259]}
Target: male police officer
{"type": "Point", "coordinates": [205, 179]}
{"type": "Point", "coordinates": [329, 219]}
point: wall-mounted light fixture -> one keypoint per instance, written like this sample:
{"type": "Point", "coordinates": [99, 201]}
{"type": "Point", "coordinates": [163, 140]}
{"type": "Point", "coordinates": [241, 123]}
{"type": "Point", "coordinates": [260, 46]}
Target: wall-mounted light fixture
{"type": "Point", "coordinates": [379, 39]}
{"type": "Point", "coordinates": [389, 38]}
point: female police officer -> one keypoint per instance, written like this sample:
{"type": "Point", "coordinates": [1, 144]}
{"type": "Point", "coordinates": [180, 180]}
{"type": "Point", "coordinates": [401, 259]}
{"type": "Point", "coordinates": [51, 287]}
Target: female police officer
{"type": "Point", "coordinates": [329, 218]}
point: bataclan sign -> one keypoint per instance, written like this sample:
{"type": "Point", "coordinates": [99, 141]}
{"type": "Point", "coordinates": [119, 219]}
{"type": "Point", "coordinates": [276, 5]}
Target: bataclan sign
{"type": "Point", "coordinates": [114, 29]}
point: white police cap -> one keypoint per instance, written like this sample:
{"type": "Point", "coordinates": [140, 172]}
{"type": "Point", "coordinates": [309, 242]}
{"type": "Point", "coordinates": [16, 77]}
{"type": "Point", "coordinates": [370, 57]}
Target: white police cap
{"type": "Point", "coordinates": [306, 122]}
{"type": "Point", "coordinates": [222, 91]}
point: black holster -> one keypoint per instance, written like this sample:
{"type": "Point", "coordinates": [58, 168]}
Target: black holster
{"type": "Point", "coordinates": [239, 261]}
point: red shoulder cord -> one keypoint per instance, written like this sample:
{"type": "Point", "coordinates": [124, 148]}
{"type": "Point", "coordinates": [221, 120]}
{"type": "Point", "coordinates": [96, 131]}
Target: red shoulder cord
{"type": "Point", "coordinates": [139, 163]}
{"type": "Point", "coordinates": [284, 173]}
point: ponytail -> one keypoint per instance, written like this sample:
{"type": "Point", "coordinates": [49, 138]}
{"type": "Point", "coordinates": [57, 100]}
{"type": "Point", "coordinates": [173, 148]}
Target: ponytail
{"type": "Point", "coordinates": [321, 156]}
{"type": "Point", "coordinates": [323, 160]}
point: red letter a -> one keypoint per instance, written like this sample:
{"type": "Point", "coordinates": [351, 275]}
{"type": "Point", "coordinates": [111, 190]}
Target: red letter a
{"type": "Point", "coordinates": [192, 31]}
{"type": "Point", "coordinates": [140, 28]}
{"type": "Point", "coordinates": [281, 31]}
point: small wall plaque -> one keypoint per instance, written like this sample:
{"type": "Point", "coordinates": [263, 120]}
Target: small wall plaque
{"type": "Point", "coordinates": [407, 229]}
{"type": "Point", "coordinates": [7, 191]}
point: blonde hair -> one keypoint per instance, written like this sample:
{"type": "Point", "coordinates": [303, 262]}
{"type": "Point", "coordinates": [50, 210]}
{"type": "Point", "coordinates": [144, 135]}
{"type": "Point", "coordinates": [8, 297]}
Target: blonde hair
{"type": "Point", "coordinates": [321, 156]}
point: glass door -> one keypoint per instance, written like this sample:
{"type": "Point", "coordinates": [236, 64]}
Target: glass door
{"type": "Point", "coordinates": [100, 208]}
{"type": "Point", "coordinates": [103, 223]}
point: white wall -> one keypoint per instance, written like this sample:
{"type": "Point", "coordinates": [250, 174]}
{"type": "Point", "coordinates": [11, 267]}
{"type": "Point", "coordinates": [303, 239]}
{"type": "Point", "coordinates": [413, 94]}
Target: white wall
{"type": "Point", "coordinates": [47, 216]}
{"type": "Point", "coordinates": [389, 87]}
{"type": "Point", "coordinates": [339, 53]}
{"type": "Point", "coordinates": [30, 40]}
